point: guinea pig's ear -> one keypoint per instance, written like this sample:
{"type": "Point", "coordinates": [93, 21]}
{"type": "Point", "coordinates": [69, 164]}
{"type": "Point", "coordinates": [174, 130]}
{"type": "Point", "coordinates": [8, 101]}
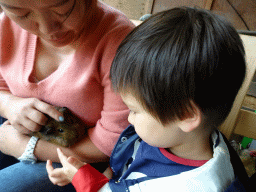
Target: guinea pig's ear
{"type": "Point", "coordinates": [68, 116]}
{"type": "Point", "coordinates": [63, 109]}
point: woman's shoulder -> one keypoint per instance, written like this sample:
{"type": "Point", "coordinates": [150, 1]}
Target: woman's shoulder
{"type": "Point", "coordinates": [114, 17]}
{"type": "Point", "coordinates": [111, 28]}
{"type": "Point", "coordinates": [9, 28]}
{"type": "Point", "coordinates": [6, 22]}
{"type": "Point", "coordinates": [13, 37]}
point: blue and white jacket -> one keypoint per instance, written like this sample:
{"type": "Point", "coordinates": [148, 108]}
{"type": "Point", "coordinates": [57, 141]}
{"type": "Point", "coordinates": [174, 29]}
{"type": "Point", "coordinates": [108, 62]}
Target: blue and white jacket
{"type": "Point", "coordinates": [138, 166]}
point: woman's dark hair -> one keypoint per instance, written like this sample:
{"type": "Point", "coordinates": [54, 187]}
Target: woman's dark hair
{"type": "Point", "coordinates": [180, 56]}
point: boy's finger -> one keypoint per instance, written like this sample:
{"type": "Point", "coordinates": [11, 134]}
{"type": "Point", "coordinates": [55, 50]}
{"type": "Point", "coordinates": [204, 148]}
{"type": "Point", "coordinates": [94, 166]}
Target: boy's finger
{"type": "Point", "coordinates": [61, 184]}
{"type": "Point", "coordinates": [75, 162]}
{"type": "Point", "coordinates": [62, 157]}
{"type": "Point", "coordinates": [58, 173]}
{"type": "Point", "coordinates": [49, 166]}
{"type": "Point", "coordinates": [51, 171]}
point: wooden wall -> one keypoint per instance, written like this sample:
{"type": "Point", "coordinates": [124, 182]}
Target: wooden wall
{"type": "Point", "coordinates": [134, 9]}
{"type": "Point", "coordinates": [242, 13]}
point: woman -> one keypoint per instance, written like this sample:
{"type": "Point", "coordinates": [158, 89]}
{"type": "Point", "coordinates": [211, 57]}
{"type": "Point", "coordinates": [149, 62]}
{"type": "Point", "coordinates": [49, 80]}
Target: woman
{"type": "Point", "coordinates": [56, 53]}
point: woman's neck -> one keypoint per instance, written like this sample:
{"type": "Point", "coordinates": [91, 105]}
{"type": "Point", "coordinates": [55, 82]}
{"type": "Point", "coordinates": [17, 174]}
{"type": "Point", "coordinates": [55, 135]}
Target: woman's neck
{"type": "Point", "coordinates": [46, 47]}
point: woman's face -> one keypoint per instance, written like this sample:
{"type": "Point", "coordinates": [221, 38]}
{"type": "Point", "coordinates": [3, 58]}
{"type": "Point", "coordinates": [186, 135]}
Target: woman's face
{"type": "Point", "coordinates": [59, 22]}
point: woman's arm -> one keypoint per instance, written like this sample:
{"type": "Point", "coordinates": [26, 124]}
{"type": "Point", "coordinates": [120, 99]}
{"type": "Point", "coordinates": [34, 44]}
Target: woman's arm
{"type": "Point", "coordinates": [84, 150]}
{"type": "Point", "coordinates": [14, 143]}
{"type": "Point", "coordinates": [13, 139]}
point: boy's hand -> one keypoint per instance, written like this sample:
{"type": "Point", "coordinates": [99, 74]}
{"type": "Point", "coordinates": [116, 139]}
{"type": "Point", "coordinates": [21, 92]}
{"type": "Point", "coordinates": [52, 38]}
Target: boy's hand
{"type": "Point", "coordinates": [63, 176]}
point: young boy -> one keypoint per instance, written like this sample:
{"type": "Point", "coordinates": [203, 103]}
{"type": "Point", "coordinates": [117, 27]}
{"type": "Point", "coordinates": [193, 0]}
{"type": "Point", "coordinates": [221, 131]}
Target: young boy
{"type": "Point", "coordinates": [179, 73]}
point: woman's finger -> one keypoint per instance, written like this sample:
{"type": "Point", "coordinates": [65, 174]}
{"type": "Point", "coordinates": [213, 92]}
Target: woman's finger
{"type": "Point", "coordinates": [21, 129]}
{"type": "Point", "coordinates": [48, 109]}
{"type": "Point", "coordinates": [30, 125]}
{"type": "Point", "coordinates": [37, 117]}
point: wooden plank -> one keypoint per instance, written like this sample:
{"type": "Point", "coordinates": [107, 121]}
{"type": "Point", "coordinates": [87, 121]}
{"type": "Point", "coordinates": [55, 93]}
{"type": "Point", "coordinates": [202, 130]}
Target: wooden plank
{"type": "Point", "coordinates": [149, 6]}
{"type": "Point", "coordinates": [133, 9]}
{"type": "Point", "coordinates": [246, 124]}
{"type": "Point", "coordinates": [252, 89]}
{"type": "Point", "coordinates": [223, 8]}
{"type": "Point", "coordinates": [161, 5]}
{"type": "Point", "coordinates": [249, 102]}
{"type": "Point", "coordinates": [247, 10]}
{"type": "Point", "coordinates": [208, 4]}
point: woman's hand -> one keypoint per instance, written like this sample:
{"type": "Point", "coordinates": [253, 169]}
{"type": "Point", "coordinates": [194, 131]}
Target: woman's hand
{"type": "Point", "coordinates": [28, 114]}
{"type": "Point", "coordinates": [63, 176]}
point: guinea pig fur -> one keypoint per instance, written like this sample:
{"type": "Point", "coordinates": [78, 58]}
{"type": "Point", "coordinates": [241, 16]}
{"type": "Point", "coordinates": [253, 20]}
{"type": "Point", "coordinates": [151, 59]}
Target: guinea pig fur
{"type": "Point", "coordinates": [65, 133]}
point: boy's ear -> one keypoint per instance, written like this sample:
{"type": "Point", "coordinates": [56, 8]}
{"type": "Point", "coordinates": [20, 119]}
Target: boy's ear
{"type": "Point", "coordinates": [191, 123]}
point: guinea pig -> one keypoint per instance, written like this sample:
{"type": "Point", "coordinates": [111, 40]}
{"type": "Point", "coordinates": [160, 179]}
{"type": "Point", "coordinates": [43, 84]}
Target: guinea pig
{"type": "Point", "coordinates": [65, 133]}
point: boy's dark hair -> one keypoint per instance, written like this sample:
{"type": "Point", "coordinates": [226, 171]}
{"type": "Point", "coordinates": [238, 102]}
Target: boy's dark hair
{"type": "Point", "coordinates": [179, 57]}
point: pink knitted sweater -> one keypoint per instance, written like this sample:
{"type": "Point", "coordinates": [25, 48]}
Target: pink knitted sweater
{"type": "Point", "coordinates": [82, 85]}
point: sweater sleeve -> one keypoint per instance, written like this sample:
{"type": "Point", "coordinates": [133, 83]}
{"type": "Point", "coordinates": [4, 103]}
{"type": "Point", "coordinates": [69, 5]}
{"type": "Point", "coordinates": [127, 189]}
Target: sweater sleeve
{"type": "Point", "coordinates": [114, 116]}
{"type": "Point", "coordinates": [88, 179]}
{"type": "Point", "coordinates": [3, 85]}
{"type": "Point", "coordinates": [6, 43]}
